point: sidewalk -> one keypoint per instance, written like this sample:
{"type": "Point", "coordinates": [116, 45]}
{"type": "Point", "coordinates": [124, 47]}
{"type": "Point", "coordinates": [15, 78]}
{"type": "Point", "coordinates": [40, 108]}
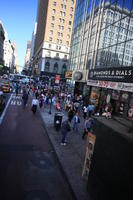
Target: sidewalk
{"type": "Point", "coordinates": [71, 157]}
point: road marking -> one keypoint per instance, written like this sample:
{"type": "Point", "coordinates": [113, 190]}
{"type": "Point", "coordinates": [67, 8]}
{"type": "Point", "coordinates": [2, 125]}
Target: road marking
{"type": "Point", "coordinates": [13, 102]}
{"type": "Point", "coordinates": [4, 112]}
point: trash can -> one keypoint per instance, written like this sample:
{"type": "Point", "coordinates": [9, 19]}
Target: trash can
{"type": "Point", "coordinates": [58, 120]}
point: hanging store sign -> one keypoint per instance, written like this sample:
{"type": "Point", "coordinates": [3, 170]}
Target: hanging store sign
{"type": "Point", "coordinates": [68, 74]}
{"type": "Point", "coordinates": [121, 74]}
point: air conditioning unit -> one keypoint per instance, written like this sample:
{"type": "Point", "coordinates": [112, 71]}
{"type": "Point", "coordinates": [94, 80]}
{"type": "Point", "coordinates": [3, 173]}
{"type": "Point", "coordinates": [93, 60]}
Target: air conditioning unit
{"type": "Point", "coordinates": [80, 75]}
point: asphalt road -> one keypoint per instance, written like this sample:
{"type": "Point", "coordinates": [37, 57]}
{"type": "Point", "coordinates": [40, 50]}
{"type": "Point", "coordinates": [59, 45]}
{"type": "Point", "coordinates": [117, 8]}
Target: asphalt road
{"type": "Point", "coordinates": [29, 168]}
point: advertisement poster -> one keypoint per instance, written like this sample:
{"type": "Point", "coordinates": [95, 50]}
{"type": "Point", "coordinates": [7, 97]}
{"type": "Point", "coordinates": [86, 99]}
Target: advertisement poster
{"type": "Point", "coordinates": [57, 80]}
{"type": "Point", "coordinates": [90, 143]}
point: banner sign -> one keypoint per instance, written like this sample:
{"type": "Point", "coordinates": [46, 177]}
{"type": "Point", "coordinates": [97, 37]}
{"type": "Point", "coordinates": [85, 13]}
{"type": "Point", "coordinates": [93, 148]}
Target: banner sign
{"type": "Point", "coordinates": [90, 143]}
{"type": "Point", "coordinates": [57, 80]}
{"type": "Point", "coordinates": [121, 74]}
{"type": "Point", "coordinates": [128, 87]}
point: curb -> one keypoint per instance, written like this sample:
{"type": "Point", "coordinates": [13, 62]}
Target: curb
{"type": "Point", "coordinates": [61, 167]}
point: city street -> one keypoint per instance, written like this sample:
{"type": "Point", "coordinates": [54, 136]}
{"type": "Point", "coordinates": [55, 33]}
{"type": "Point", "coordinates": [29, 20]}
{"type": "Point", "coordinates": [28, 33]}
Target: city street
{"type": "Point", "coordinates": [28, 165]}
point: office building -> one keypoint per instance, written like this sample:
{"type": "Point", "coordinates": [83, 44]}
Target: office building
{"type": "Point", "coordinates": [102, 53]}
{"type": "Point", "coordinates": [2, 38]}
{"type": "Point", "coordinates": [53, 37]}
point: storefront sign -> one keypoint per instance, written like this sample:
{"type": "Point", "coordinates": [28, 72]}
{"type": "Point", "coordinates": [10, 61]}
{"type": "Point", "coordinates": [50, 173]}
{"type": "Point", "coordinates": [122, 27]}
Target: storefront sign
{"type": "Point", "coordinates": [68, 74]}
{"type": "Point", "coordinates": [112, 85]}
{"type": "Point", "coordinates": [121, 74]}
{"type": "Point", "coordinates": [90, 143]}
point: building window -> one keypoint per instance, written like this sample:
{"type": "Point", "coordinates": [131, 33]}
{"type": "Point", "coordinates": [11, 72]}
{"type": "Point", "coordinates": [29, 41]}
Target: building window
{"type": "Point", "coordinates": [53, 11]}
{"type": "Point", "coordinates": [49, 45]}
{"type": "Point", "coordinates": [72, 1]}
{"type": "Point", "coordinates": [70, 22]}
{"type": "Point", "coordinates": [65, 56]}
{"type": "Point", "coordinates": [57, 41]}
{"type": "Point", "coordinates": [70, 16]}
{"type": "Point", "coordinates": [69, 29]}
{"type": "Point", "coordinates": [60, 41]}
{"type": "Point", "coordinates": [54, 3]}
{"type": "Point", "coordinates": [50, 39]}
{"type": "Point", "coordinates": [65, 7]}
{"type": "Point", "coordinates": [62, 6]}
{"type": "Point", "coordinates": [51, 32]}
{"type": "Point", "coordinates": [56, 67]}
{"type": "Point", "coordinates": [47, 66]}
{"type": "Point", "coordinates": [67, 43]}
{"type": "Point", "coordinates": [57, 47]}
{"type": "Point", "coordinates": [68, 36]}
{"type": "Point", "coordinates": [71, 9]}
{"type": "Point", "coordinates": [53, 18]}
{"type": "Point", "coordinates": [64, 69]}
{"type": "Point", "coordinates": [52, 25]}
{"type": "Point", "coordinates": [61, 34]}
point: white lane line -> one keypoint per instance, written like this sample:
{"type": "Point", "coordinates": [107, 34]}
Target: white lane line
{"type": "Point", "coordinates": [4, 112]}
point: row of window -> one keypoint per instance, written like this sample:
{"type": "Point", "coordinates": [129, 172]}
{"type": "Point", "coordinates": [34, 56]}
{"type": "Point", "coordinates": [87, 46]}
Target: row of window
{"type": "Point", "coordinates": [60, 27]}
{"type": "Point", "coordinates": [57, 47]}
{"type": "Point", "coordinates": [58, 41]}
{"type": "Point", "coordinates": [56, 55]}
{"type": "Point", "coordinates": [63, 6]}
{"type": "Point", "coordinates": [59, 34]}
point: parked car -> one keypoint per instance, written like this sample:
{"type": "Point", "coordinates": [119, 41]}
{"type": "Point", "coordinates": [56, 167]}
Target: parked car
{"type": "Point", "coordinates": [2, 101]}
{"type": "Point", "coordinates": [5, 87]}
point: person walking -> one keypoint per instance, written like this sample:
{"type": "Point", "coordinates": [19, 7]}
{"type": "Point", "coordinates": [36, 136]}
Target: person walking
{"type": "Point", "coordinates": [76, 120]}
{"type": "Point", "coordinates": [35, 104]}
{"type": "Point", "coordinates": [88, 126]}
{"type": "Point", "coordinates": [65, 128]}
{"type": "Point", "coordinates": [85, 111]}
{"type": "Point", "coordinates": [25, 98]}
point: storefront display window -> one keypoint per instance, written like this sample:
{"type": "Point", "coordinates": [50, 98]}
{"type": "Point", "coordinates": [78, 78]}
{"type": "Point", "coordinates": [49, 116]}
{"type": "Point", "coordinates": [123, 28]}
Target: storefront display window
{"type": "Point", "coordinates": [94, 97]}
{"type": "Point", "coordinates": [124, 97]}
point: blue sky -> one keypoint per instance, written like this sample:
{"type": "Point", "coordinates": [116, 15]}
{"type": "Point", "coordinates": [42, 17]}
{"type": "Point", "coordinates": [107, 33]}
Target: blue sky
{"type": "Point", "coordinates": [18, 18]}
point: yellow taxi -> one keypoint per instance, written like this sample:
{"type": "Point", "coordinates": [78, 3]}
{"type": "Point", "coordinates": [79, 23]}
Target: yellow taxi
{"type": "Point", "coordinates": [5, 87]}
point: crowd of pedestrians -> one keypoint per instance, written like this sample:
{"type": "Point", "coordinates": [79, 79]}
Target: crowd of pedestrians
{"type": "Point", "coordinates": [46, 97]}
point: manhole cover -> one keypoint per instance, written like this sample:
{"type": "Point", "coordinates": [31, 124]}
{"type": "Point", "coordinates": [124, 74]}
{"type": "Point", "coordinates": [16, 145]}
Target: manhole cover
{"type": "Point", "coordinates": [37, 195]}
{"type": "Point", "coordinates": [41, 161]}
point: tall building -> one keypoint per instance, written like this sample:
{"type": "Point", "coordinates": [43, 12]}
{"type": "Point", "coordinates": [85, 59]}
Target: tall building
{"type": "Point", "coordinates": [102, 53]}
{"type": "Point", "coordinates": [53, 37]}
{"type": "Point", "coordinates": [15, 55]}
{"type": "Point", "coordinates": [2, 38]}
{"type": "Point", "coordinates": [33, 41]}
{"type": "Point", "coordinates": [27, 57]}
{"type": "Point", "coordinates": [9, 57]}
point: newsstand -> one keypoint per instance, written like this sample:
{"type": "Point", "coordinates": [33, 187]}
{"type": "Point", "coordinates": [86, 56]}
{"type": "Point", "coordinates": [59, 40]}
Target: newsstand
{"type": "Point", "coordinates": [58, 120]}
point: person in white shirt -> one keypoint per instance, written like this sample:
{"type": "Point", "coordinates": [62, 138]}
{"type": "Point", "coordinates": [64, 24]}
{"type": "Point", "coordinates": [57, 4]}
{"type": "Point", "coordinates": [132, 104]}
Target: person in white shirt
{"type": "Point", "coordinates": [85, 109]}
{"type": "Point", "coordinates": [35, 104]}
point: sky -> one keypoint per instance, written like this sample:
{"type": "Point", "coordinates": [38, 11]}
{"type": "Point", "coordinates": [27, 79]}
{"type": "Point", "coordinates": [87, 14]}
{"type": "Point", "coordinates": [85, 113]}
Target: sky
{"type": "Point", "coordinates": [18, 18]}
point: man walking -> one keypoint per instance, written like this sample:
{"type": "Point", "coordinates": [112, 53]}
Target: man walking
{"type": "Point", "coordinates": [64, 129]}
